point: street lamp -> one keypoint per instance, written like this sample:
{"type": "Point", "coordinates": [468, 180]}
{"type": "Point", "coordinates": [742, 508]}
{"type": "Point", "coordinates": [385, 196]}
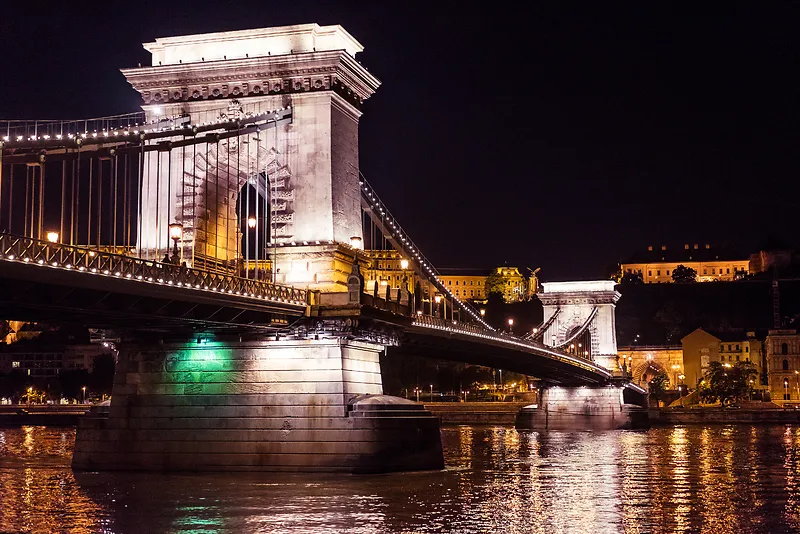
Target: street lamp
{"type": "Point", "coordinates": [437, 299]}
{"type": "Point", "coordinates": [175, 233]}
{"type": "Point", "coordinates": [355, 242]}
{"type": "Point", "coordinates": [84, 394]}
{"type": "Point", "coordinates": [431, 392]}
{"type": "Point", "coordinates": [404, 264]}
{"type": "Point", "coordinates": [483, 312]}
{"type": "Point", "coordinates": [52, 237]}
{"type": "Point", "coordinates": [251, 222]}
{"type": "Point", "coordinates": [510, 325]}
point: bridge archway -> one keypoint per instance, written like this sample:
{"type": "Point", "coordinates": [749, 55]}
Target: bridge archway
{"type": "Point", "coordinates": [253, 217]}
{"type": "Point", "coordinates": [646, 371]}
{"type": "Point", "coordinates": [581, 312]}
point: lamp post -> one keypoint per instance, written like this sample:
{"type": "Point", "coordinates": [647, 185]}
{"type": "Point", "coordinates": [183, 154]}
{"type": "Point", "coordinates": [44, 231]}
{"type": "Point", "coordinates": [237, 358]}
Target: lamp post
{"type": "Point", "coordinates": [52, 237]}
{"type": "Point", "coordinates": [437, 299]}
{"type": "Point", "coordinates": [431, 392]}
{"type": "Point", "coordinates": [675, 369]}
{"type": "Point", "coordinates": [84, 394]}
{"type": "Point", "coordinates": [511, 326]}
{"type": "Point", "coordinates": [175, 233]}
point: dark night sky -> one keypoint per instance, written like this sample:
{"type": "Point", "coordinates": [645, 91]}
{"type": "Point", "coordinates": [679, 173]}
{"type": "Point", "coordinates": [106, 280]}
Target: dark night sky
{"type": "Point", "coordinates": [561, 135]}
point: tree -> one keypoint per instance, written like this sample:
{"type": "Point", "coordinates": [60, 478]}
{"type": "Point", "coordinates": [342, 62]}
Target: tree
{"type": "Point", "coordinates": [495, 283]}
{"type": "Point", "coordinates": [631, 278]}
{"type": "Point", "coordinates": [684, 275]}
{"type": "Point", "coordinates": [658, 384]}
{"type": "Point", "coordinates": [725, 383]}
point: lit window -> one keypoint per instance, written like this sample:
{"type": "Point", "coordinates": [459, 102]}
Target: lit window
{"type": "Point", "coordinates": [15, 364]}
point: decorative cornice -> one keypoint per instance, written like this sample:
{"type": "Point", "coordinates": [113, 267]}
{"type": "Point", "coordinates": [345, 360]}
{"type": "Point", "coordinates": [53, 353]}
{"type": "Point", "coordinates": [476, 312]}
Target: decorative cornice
{"type": "Point", "coordinates": [267, 75]}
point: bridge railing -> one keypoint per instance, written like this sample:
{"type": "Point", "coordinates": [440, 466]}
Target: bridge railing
{"type": "Point", "coordinates": [475, 330]}
{"type": "Point", "coordinates": [83, 259]}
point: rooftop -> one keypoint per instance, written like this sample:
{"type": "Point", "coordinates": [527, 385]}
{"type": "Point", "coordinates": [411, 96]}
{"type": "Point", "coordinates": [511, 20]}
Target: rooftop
{"type": "Point", "coordinates": [685, 253]}
{"type": "Point", "coordinates": [252, 43]}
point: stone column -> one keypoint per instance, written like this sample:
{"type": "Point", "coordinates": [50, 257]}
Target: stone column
{"type": "Point", "coordinates": [297, 405]}
{"type": "Point", "coordinates": [582, 408]}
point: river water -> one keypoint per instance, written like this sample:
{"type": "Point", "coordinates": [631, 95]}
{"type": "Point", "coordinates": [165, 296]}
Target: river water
{"type": "Point", "coordinates": [714, 479]}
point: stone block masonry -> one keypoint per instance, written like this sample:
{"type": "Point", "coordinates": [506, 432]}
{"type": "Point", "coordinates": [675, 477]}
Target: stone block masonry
{"type": "Point", "coordinates": [582, 408]}
{"type": "Point", "coordinates": [308, 405]}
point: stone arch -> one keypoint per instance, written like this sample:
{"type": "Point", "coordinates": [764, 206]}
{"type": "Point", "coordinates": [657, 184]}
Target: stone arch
{"type": "Point", "coordinates": [215, 175]}
{"type": "Point", "coordinates": [645, 371]}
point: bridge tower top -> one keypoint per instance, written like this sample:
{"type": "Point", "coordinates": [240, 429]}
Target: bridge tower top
{"type": "Point", "coordinates": [582, 310]}
{"type": "Point", "coordinates": [301, 38]}
{"type": "Point", "coordinates": [304, 169]}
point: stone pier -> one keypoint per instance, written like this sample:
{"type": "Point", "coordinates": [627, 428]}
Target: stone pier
{"type": "Point", "coordinates": [582, 408]}
{"type": "Point", "coordinates": [286, 405]}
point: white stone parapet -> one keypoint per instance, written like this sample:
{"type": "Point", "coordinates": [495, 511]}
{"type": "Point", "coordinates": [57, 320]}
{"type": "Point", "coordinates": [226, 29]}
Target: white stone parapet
{"type": "Point", "coordinates": [252, 43]}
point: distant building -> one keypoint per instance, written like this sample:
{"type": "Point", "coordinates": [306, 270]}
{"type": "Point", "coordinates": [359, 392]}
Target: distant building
{"type": "Point", "coordinates": [385, 268]}
{"type": "Point", "coordinates": [711, 264]}
{"type": "Point", "coordinates": [46, 361]}
{"type": "Point", "coordinates": [783, 358]}
{"type": "Point", "coordinates": [701, 348]}
{"type": "Point", "coordinates": [645, 362]}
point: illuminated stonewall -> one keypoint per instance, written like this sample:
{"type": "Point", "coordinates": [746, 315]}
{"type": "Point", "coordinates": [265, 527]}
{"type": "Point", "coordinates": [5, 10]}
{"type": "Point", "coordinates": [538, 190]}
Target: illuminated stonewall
{"type": "Point", "coordinates": [311, 161]}
{"type": "Point", "coordinates": [297, 405]}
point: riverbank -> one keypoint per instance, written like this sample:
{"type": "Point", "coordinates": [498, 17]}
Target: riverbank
{"type": "Point", "coordinates": [13, 415]}
{"type": "Point", "coordinates": [719, 415]}
{"type": "Point", "coordinates": [476, 413]}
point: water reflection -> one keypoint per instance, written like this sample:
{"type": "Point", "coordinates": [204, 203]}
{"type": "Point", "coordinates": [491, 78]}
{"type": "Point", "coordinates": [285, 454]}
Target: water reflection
{"type": "Point", "coordinates": [682, 479]}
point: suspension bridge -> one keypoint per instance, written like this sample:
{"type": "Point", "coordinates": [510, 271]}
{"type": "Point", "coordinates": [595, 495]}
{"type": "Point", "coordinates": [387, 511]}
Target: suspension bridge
{"type": "Point", "coordinates": [225, 230]}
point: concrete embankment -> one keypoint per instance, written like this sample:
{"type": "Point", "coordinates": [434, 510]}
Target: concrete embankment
{"type": "Point", "coordinates": [476, 413]}
{"type": "Point", "coordinates": [716, 415]}
{"type": "Point", "coordinates": [41, 415]}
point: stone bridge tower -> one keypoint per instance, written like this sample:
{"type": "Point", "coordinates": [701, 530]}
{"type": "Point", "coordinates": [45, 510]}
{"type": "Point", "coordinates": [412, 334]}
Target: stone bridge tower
{"type": "Point", "coordinates": [310, 161]}
{"type": "Point", "coordinates": [571, 306]}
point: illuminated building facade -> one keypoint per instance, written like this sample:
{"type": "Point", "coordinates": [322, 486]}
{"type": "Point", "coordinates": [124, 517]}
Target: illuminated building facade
{"type": "Point", "coordinates": [782, 349]}
{"type": "Point", "coordinates": [645, 362]}
{"type": "Point", "coordinates": [385, 269]}
{"type": "Point", "coordinates": [711, 264]}
{"type": "Point", "coordinates": [701, 347]}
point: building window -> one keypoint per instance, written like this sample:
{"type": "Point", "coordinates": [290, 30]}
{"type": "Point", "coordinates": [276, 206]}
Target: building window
{"type": "Point", "coordinates": [713, 271]}
{"type": "Point", "coordinates": [658, 272]}
{"type": "Point", "coordinates": [705, 271]}
{"type": "Point", "coordinates": [727, 271]}
{"type": "Point", "coordinates": [786, 365]}
{"type": "Point", "coordinates": [738, 347]}
{"type": "Point", "coordinates": [449, 282]}
{"type": "Point", "coordinates": [667, 272]}
{"type": "Point", "coordinates": [746, 348]}
{"type": "Point", "coordinates": [15, 365]}
{"type": "Point", "coordinates": [470, 282]}
{"type": "Point", "coordinates": [649, 273]}
{"type": "Point", "coordinates": [784, 349]}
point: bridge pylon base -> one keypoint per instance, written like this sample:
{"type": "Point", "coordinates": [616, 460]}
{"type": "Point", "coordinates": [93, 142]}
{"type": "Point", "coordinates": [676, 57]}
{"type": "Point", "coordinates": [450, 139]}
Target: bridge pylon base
{"type": "Point", "coordinates": [582, 408]}
{"type": "Point", "coordinates": [288, 405]}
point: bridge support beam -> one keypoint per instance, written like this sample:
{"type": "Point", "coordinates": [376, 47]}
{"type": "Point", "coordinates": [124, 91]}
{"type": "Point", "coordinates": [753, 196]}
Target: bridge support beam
{"type": "Point", "coordinates": [582, 408]}
{"type": "Point", "coordinates": [294, 405]}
